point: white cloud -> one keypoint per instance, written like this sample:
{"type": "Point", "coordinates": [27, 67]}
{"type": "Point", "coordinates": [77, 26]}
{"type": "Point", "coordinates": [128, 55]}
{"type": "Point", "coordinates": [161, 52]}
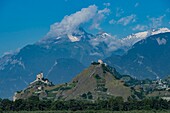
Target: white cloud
{"type": "Point", "coordinates": [104, 11]}
{"type": "Point", "coordinates": [137, 4]}
{"type": "Point", "coordinates": [119, 12]}
{"type": "Point", "coordinates": [101, 14]}
{"type": "Point", "coordinates": [106, 4]}
{"type": "Point", "coordinates": [73, 21]}
{"type": "Point", "coordinates": [140, 27]}
{"type": "Point", "coordinates": [112, 21]}
{"type": "Point", "coordinates": [112, 42]}
{"type": "Point", "coordinates": [156, 22]}
{"type": "Point", "coordinates": [126, 20]}
{"type": "Point", "coordinates": [168, 10]}
{"type": "Point", "coordinates": [70, 23]}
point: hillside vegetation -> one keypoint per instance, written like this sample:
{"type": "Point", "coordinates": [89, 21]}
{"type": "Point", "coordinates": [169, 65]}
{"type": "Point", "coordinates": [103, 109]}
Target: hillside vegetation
{"type": "Point", "coordinates": [93, 111]}
{"type": "Point", "coordinates": [98, 81]}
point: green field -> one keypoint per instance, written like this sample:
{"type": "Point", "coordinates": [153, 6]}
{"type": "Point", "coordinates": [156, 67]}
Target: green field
{"type": "Point", "coordinates": [92, 111]}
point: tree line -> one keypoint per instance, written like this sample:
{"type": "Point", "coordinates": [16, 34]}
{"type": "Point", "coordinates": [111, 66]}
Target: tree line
{"type": "Point", "coordinates": [112, 104]}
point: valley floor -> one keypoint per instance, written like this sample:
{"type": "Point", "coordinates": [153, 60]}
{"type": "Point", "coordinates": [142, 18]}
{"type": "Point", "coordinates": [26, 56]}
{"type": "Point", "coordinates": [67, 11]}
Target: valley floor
{"type": "Point", "coordinates": [93, 111]}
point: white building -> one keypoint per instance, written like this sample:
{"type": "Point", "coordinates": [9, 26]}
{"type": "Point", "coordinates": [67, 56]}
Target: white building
{"type": "Point", "coordinates": [100, 61]}
{"type": "Point", "coordinates": [39, 77]}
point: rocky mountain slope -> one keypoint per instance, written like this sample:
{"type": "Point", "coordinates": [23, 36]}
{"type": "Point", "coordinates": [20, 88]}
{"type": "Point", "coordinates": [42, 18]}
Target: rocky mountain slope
{"type": "Point", "coordinates": [148, 58]}
{"type": "Point", "coordinates": [56, 55]}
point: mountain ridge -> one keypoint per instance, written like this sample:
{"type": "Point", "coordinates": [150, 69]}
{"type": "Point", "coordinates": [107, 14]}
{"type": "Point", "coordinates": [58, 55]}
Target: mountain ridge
{"type": "Point", "coordinates": [95, 82]}
{"type": "Point", "coordinates": [146, 59]}
{"type": "Point", "coordinates": [53, 55]}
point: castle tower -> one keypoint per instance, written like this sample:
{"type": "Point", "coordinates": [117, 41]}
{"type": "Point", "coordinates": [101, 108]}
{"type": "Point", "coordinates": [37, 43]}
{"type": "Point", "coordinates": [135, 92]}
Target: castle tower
{"type": "Point", "coordinates": [100, 61]}
{"type": "Point", "coordinates": [39, 76]}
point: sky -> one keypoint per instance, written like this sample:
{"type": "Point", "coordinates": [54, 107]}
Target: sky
{"type": "Point", "coordinates": [25, 22]}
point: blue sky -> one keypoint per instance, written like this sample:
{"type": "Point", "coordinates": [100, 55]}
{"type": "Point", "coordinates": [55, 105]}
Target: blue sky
{"type": "Point", "coordinates": [24, 22]}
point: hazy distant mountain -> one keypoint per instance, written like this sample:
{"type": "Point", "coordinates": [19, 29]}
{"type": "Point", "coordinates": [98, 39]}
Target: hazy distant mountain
{"type": "Point", "coordinates": [61, 57]}
{"type": "Point", "coordinates": [148, 58]}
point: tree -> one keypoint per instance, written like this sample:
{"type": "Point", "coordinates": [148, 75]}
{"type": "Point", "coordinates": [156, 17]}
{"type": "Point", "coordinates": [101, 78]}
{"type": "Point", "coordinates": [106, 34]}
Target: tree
{"type": "Point", "coordinates": [6, 105]}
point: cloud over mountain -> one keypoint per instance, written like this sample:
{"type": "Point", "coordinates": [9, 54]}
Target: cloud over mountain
{"type": "Point", "coordinates": [156, 22]}
{"type": "Point", "coordinates": [72, 22]}
{"type": "Point", "coordinates": [114, 43]}
{"type": "Point", "coordinates": [101, 14]}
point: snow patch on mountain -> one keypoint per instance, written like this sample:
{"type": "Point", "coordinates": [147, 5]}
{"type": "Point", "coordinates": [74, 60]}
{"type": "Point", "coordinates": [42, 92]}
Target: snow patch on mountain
{"type": "Point", "coordinates": [4, 61]}
{"type": "Point", "coordinates": [160, 30]}
{"type": "Point", "coordinates": [134, 38]}
{"type": "Point", "coordinates": [69, 30]}
{"type": "Point", "coordinates": [113, 43]}
{"type": "Point", "coordinates": [73, 38]}
{"type": "Point", "coordinates": [161, 41]}
{"type": "Point", "coordinates": [17, 62]}
{"type": "Point", "coordinates": [8, 60]}
{"type": "Point", "coordinates": [139, 59]}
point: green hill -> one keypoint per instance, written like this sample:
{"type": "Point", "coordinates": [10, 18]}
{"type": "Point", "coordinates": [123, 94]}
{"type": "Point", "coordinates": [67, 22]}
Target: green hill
{"type": "Point", "coordinates": [98, 81]}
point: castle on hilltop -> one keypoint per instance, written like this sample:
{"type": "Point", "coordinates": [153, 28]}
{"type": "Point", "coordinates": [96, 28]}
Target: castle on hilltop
{"type": "Point", "coordinates": [40, 78]}
{"type": "Point", "coordinates": [37, 87]}
{"type": "Point", "coordinates": [99, 62]}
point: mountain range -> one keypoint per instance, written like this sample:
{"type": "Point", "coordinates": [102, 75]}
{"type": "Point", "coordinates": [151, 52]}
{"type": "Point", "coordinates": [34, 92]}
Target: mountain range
{"type": "Point", "coordinates": [64, 56]}
{"type": "Point", "coordinates": [148, 58]}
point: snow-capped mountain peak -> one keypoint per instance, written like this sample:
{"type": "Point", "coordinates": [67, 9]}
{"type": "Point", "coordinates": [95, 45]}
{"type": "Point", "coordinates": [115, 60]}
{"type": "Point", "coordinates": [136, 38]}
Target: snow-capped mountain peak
{"type": "Point", "coordinates": [137, 36]}
{"type": "Point", "coordinates": [111, 41]}
{"type": "Point", "coordinates": [105, 35]}
{"type": "Point", "coordinates": [134, 38]}
{"type": "Point", "coordinates": [78, 35]}
{"type": "Point", "coordinates": [73, 38]}
{"type": "Point", "coordinates": [61, 48]}
{"type": "Point", "coordinates": [160, 30]}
